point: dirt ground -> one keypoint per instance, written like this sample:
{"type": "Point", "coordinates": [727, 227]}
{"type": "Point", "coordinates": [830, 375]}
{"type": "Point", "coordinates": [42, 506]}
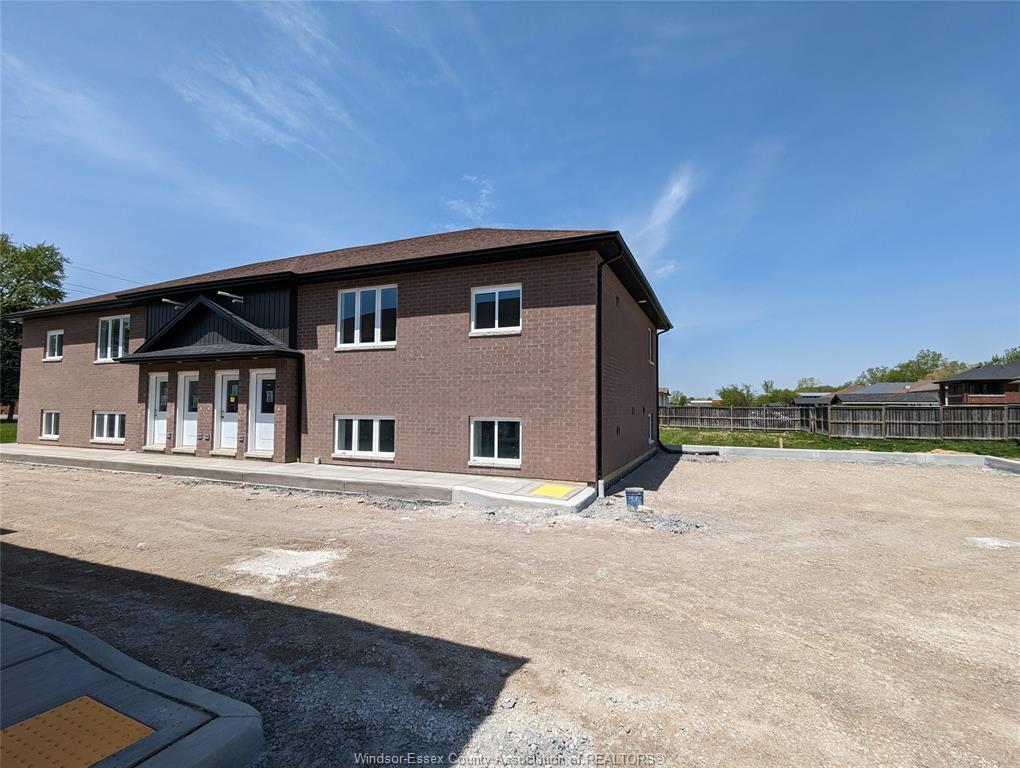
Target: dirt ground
{"type": "Point", "coordinates": [824, 615]}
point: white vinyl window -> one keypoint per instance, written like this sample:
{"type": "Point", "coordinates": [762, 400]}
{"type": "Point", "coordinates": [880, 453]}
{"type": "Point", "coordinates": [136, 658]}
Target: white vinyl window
{"type": "Point", "coordinates": [364, 437]}
{"type": "Point", "coordinates": [367, 317]}
{"type": "Point", "coordinates": [54, 345]}
{"type": "Point", "coordinates": [114, 334]}
{"type": "Point", "coordinates": [495, 310]}
{"type": "Point", "coordinates": [108, 427]}
{"type": "Point", "coordinates": [50, 425]}
{"type": "Point", "coordinates": [651, 346]}
{"type": "Point", "coordinates": [495, 442]}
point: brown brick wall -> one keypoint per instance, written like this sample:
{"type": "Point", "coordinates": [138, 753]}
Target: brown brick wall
{"type": "Point", "coordinates": [437, 377]}
{"type": "Point", "coordinates": [629, 381]}
{"type": "Point", "coordinates": [76, 386]}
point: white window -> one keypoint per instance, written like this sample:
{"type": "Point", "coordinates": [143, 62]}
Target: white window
{"type": "Point", "coordinates": [364, 437]}
{"type": "Point", "coordinates": [367, 317]}
{"type": "Point", "coordinates": [496, 309]}
{"type": "Point", "coordinates": [54, 345]}
{"type": "Point", "coordinates": [495, 442]}
{"type": "Point", "coordinates": [114, 333]}
{"type": "Point", "coordinates": [651, 346]}
{"type": "Point", "coordinates": [108, 427]}
{"type": "Point", "coordinates": [50, 425]}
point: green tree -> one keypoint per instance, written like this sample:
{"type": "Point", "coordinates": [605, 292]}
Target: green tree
{"type": "Point", "coordinates": [736, 395]}
{"type": "Point", "coordinates": [924, 365]}
{"type": "Point", "coordinates": [30, 276]}
{"type": "Point", "coordinates": [811, 384]}
{"type": "Point", "coordinates": [1011, 355]}
{"type": "Point", "coordinates": [678, 398]}
{"type": "Point", "coordinates": [774, 395]}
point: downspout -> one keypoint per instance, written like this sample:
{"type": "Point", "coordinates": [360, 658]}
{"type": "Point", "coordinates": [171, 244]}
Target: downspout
{"type": "Point", "coordinates": [599, 484]}
{"type": "Point", "coordinates": [658, 367]}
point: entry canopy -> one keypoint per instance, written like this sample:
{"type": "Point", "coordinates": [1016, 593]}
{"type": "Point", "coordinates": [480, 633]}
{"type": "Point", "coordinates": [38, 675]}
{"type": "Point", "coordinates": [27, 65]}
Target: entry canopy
{"type": "Point", "coordinates": [203, 330]}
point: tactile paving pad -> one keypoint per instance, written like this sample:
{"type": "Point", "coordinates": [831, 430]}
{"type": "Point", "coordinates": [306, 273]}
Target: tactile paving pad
{"type": "Point", "coordinates": [552, 490]}
{"type": "Point", "coordinates": [74, 735]}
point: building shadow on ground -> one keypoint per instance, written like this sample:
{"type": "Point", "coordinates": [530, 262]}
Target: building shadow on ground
{"type": "Point", "coordinates": [327, 686]}
{"type": "Point", "coordinates": [650, 475]}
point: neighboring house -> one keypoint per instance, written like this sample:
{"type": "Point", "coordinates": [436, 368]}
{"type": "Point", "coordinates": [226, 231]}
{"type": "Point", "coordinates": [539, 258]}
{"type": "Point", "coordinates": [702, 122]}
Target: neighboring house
{"type": "Point", "coordinates": [513, 352]}
{"type": "Point", "coordinates": [889, 393]}
{"type": "Point", "coordinates": [814, 398]}
{"type": "Point", "coordinates": [983, 385]}
{"type": "Point", "coordinates": [703, 401]}
{"type": "Point", "coordinates": [9, 411]}
{"type": "Point", "coordinates": [663, 397]}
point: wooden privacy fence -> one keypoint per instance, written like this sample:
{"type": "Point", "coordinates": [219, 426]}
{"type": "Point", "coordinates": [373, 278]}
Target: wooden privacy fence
{"type": "Point", "coordinates": [969, 422]}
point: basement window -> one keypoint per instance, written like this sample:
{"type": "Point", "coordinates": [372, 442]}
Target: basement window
{"type": "Point", "coordinates": [496, 310]}
{"type": "Point", "coordinates": [367, 318]}
{"type": "Point", "coordinates": [54, 345]}
{"type": "Point", "coordinates": [50, 425]}
{"type": "Point", "coordinates": [114, 334]}
{"type": "Point", "coordinates": [108, 427]}
{"type": "Point", "coordinates": [364, 437]}
{"type": "Point", "coordinates": [495, 442]}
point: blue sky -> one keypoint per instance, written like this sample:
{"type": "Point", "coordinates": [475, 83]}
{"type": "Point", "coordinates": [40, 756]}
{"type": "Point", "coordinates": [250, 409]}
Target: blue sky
{"type": "Point", "coordinates": [812, 188]}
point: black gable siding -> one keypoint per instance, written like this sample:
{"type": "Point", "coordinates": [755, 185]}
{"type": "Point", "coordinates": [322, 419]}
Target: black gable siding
{"type": "Point", "coordinates": [268, 308]}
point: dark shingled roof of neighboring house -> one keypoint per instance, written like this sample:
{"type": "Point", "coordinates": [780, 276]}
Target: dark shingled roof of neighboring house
{"type": "Point", "coordinates": [925, 396]}
{"type": "Point", "coordinates": [990, 372]}
{"type": "Point", "coordinates": [480, 243]}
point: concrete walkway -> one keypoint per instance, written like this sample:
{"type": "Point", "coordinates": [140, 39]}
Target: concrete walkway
{"type": "Point", "coordinates": [67, 698]}
{"type": "Point", "coordinates": [397, 483]}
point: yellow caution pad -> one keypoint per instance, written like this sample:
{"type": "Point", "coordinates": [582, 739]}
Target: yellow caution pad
{"type": "Point", "coordinates": [552, 491]}
{"type": "Point", "coordinates": [74, 735]}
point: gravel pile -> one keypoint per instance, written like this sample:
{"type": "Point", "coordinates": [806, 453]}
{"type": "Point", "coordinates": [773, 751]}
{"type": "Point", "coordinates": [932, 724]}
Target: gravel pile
{"type": "Point", "coordinates": [615, 508]}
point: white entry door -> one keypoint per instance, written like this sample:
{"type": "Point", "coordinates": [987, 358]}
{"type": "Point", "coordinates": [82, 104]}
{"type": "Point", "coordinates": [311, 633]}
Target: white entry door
{"type": "Point", "coordinates": [187, 410]}
{"type": "Point", "coordinates": [263, 408]}
{"type": "Point", "coordinates": [228, 390]}
{"type": "Point", "coordinates": [156, 427]}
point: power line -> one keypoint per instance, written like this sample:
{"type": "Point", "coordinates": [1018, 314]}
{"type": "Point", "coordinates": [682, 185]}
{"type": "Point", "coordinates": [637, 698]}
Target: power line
{"type": "Point", "coordinates": [82, 287]}
{"type": "Point", "coordinates": [104, 274]}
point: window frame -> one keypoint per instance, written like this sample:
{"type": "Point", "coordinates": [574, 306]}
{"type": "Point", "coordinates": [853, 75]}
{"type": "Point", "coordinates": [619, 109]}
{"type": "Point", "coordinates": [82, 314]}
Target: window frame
{"type": "Point", "coordinates": [498, 330]}
{"type": "Point", "coordinates": [47, 357]}
{"type": "Point", "coordinates": [121, 346]}
{"type": "Point", "coordinates": [495, 461]}
{"type": "Point", "coordinates": [375, 454]}
{"type": "Point", "coordinates": [43, 434]}
{"type": "Point", "coordinates": [117, 439]}
{"type": "Point", "coordinates": [341, 346]}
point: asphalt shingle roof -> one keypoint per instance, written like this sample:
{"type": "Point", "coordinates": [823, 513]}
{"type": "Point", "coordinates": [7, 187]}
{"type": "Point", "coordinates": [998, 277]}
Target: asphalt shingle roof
{"type": "Point", "coordinates": [1005, 372]}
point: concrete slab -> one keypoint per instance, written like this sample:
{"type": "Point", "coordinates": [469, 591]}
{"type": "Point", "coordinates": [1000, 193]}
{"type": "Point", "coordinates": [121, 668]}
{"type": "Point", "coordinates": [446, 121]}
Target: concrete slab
{"type": "Point", "coordinates": [201, 727]}
{"type": "Point", "coordinates": [376, 481]}
{"type": "Point", "coordinates": [872, 457]}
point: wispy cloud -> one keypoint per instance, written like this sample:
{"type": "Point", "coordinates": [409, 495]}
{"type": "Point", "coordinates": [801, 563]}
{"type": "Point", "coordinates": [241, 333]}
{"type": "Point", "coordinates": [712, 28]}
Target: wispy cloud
{"type": "Point", "coordinates": [58, 109]}
{"type": "Point", "coordinates": [302, 23]}
{"type": "Point", "coordinates": [654, 233]}
{"type": "Point", "coordinates": [476, 209]}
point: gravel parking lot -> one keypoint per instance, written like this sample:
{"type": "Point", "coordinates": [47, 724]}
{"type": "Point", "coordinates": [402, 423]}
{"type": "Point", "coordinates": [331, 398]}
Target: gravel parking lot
{"type": "Point", "coordinates": [809, 614]}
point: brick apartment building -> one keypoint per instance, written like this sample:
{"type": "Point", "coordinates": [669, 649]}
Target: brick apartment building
{"type": "Point", "coordinates": [512, 352]}
{"type": "Point", "coordinates": [984, 385]}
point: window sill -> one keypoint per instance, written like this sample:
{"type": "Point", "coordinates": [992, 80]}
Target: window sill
{"type": "Point", "coordinates": [107, 440]}
{"type": "Point", "coordinates": [154, 448]}
{"type": "Point", "coordinates": [227, 452]}
{"type": "Point", "coordinates": [497, 332]}
{"type": "Point", "coordinates": [259, 455]}
{"type": "Point", "coordinates": [185, 449]}
{"type": "Point", "coordinates": [365, 456]}
{"type": "Point", "coordinates": [51, 438]}
{"type": "Point", "coordinates": [103, 362]}
{"type": "Point", "coordinates": [489, 464]}
{"type": "Point", "coordinates": [52, 359]}
{"type": "Point", "coordinates": [360, 347]}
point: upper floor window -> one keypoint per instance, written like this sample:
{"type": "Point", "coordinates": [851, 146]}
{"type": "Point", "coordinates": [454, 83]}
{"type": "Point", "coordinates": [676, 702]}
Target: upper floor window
{"type": "Point", "coordinates": [367, 317]}
{"type": "Point", "coordinates": [984, 388]}
{"type": "Point", "coordinates": [496, 309]}
{"type": "Point", "coordinates": [54, 345]}
{"type": "Point", "coordinates": [114, 333]}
